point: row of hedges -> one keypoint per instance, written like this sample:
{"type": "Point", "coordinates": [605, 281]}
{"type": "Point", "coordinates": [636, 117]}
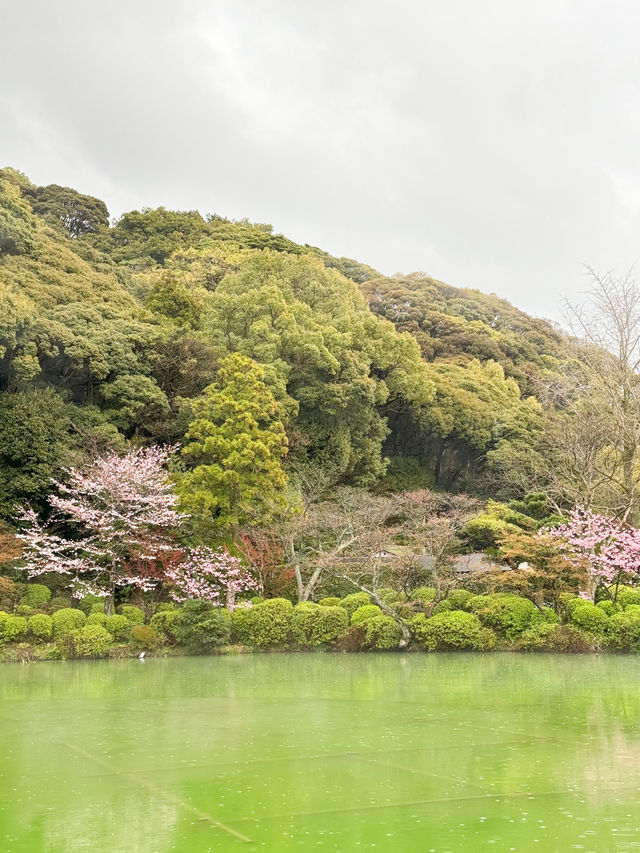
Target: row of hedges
{"type": "Point", "coordinates": [461, 621]}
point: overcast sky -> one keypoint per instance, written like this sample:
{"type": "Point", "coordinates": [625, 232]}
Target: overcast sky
{"type": "Point", "coordinates": [493, 145]}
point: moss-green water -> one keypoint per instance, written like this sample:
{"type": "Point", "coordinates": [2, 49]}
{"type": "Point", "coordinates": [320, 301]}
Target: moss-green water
{"type": "Point", "coordinates": [322, 752]}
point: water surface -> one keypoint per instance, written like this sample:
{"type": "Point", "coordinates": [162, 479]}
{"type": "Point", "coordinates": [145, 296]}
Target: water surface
{"type": "Point", "coordinates": [425, 753]}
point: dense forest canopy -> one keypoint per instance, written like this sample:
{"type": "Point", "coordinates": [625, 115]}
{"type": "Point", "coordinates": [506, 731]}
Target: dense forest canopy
{"type": "Point", "coordinates": [123, 332]}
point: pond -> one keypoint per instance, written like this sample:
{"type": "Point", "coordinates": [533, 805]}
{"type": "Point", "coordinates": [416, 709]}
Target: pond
{"type": "Point", "coordinates": [330, 752]}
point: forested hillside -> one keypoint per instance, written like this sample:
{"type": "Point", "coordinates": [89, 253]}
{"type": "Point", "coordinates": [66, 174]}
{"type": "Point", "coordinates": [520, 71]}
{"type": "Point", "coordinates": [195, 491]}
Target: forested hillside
{"type": "Point", "coordinates": [164, 326]}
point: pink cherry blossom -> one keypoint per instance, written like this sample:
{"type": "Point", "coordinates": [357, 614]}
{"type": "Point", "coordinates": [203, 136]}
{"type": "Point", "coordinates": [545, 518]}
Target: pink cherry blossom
{"type": "Point", "coordinates": [212, 575]}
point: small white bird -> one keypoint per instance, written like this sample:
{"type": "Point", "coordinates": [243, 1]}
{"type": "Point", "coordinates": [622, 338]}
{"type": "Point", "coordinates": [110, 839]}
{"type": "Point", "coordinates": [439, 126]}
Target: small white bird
{"type": "Point", "coordinates": [141, 655]}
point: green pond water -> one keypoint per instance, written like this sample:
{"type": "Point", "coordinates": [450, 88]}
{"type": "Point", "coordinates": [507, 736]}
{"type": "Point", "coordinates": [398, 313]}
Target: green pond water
{"type": "Point", "coordinates": [321, 752]}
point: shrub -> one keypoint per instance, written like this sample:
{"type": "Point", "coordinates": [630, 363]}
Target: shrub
{"type": "Point", "coordinates": [391, 596]}
{"type": "Point", "coordinates": [59, 603]}
{"type": "Point", "coordinates": [628, 595]}
{"type": "Point", "coordinates": [547, 637]}
{"type": "Point", "coordinates": [330, 601]}
{"type": "Point", "coordinates": [623, 631]}
{"type": "Point", "coordinates": [423, 594]}
{"type": "Point", "coordinates": [610, 608]}
{"type": "Point", "coordinates": [382, 632]}
{"type": "Point", "coordinates": [270, 623]}
{"type": "Point", "coordinates": [41, 627]}
{"type": "Point", "coordinates": [547, 614]}
{"type": "Point", "coordinates": [478, 602]}
{"type": "Point", "coordinates": [312, 625]}
{"type": "Point", "coordinates": [118, 626]}
{"type": "Point", "coordinates": [37, 595]}
{"type": "Point", "coordinates": [352, 602]}
{"type": "Point", "coordinates": [87, 603]}
{"type": "Point", "coordinates": [363, 614]}
{"type": "Point", "coordinates": [443, 606]}
{"type": "Point", "coordinates": [92, 641]}
{"type": "Point", "coordinates": [240, 624]}
{"type": "Point", "coordinates": [97, 619]}
{"type": "Point", "coordinates": [25, 610]}
{"type": "Point", "coordinates": [200, 627]}
{"type": "Point", "coordinates": [569, 603]}
{"type": "Point", "coordinates": [590, 618]}
{"type": "Point", "coordinates": [459, 598]}
{"type": "Point", "coordinates": [453, 630]}
{"type": "Point", "coordinates": [354, 640]}
{"type": "Point", "coordinates": [509, 615]}
{"type": "Point", "coordinates": [14, 628]}
{"type": "Point", "coordinates": [144, 638]}
{"type": "Point", "coordinates": [9, 593]}
{"type": "Point", "coordinates": [163, 622]}
{"type": "Point", "coordinates": [67, 620]}
{"type": "Point", "coordinates": [134, 614]}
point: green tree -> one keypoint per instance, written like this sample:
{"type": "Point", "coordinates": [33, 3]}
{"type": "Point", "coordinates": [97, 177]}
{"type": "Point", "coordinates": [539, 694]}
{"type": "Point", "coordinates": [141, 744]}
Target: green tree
{"type": "Point", "coordinates": [17, 223]}
{"type": "Point", "coordinates": [77, 213]}
{"type": "Point", "coordinates": [234, 450]}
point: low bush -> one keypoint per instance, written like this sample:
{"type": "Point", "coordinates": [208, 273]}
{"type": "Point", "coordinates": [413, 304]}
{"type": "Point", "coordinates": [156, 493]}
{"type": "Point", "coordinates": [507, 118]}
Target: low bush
{"type": "Point", "coordinates": [134, 614]}
{"type": "Point", "coordinates": [589, 617]}
{"type": "Point", "coordinates": [547, 614]}
{"type": "Point", "coordinates": [628, 595]}
{"type": "Point", "coordinates": [270, 623]}
{"type": "Point", "coordinates": [444, 606]}
{"type": "Point", "coordinates": [67, 620]}
{"type": "Point", "coordinates": [607, 606]}
{"type": "Point", "coordinates": [41, 628]}
{"type": "Point", "coordinates": [14, 628]}
{"type": "Point", "coordinates": [118, 626]}
{"type": "Point", "coordinates": [163, 622]}
{"type": "Point", "coordinates": [59, 603]}
{"type": "Point", "coordinates": [453, 630]}
{"type": "Point", "coordinates": [97, 619]}
{"type": "Point", "coordinates": [364, 613]}
{"type": "Point", "coordinates": [92, 641]}
{"type": "Point", "coordinates": [37, 595]}
{"type": "Point", "coordinates": [352, 602]}
{"type": "Point", "coordinates": [623, 631]}
{"type": "Point", "coordinates": [330, 601]}
{"type": "Point", "coordinates": [313, 625]}
{"type": "Point", "coordinates": [549, 637]}
{"type": "Point", "coordinates": [89, 601]}
{"type": "Point", "coordinates": [391, 597]}
{"type": "Point", "coordinates": [423, 594]}
{"type": "Point", "coordinates": [508, 615]}
{"type": "Point", "coordinates": [240, 624]}
{"type": "Point", "coordinates": [353, 640]}
{"type": "Point", "coordinates": [382, 632]}
{"type": "Point", "coordinates": [200, 627]}
{"type": "Point", "coordinates": [459, 598]}
{"type": "Point", "coordinates": [9, 593]}
{"type": "Point", "coordinates": [25, 610]}
{"type": "Point", "coordinates": [144, 638]}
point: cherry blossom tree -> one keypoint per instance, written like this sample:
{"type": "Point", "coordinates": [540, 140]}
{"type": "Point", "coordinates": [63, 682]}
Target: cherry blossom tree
{"type": "Point", "coordinates": [609, 548]}
{"type": "Point", "coordinates": [122, 510]}
{"type": "Point", "coordinates": [211, 575]}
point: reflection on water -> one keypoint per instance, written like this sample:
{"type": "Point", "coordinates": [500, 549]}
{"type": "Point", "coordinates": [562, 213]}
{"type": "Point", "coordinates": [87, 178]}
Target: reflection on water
{"type": "Point", "coordinates": [337, 752]}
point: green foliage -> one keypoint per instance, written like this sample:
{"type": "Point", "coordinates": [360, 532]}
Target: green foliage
{"type": "Point", "coordinates": [144, 638]}
{"type": "Point", "coordinates": [92, 641]}
{"type": "Point", "coordinates": [364, 613]}
{"type": "Point", "coordinates": [163, 622]}
{"type": "Point", "coordinates": [36, 595]}
{"type": "Point", "coordinates": [78, 214]}
{"type": "Point", "coordinates": [313, 625]}
{"type": "Point", "coordinates": [241, 619]}
{"type": "Point", "coordinates": [589, 617]}
{"type": "Point", "coordinates": [459, 598]}
{"type": "Point", "coordinates": [41, 628]}
{"type": "Point", "coordinates": [132, 613]}
{"type": "Point", "coordinates": [271, 623]}
{"type": "Point", "coordinates": [352, 602]}
{"type": "Point", "coordinates": [67, 620]}
{"type": "Point", "coordinates": [628, 595]}
{"type": "Point", "coordinates": [14, 628]}
{"type": "Point", "coordinates": [17, 223]}
{"type": "Point", "coordinates": [90, 603]}
{"type": "Point", "coordinates": [423, 594]}
{"type": "Point", "coordinates": [443, 606]}
{"type": "Point", "coordinates": [59, 602]}
{"type": "Point", "coordinates": [382, 632]}
{"type": "Point", "coordinates": [508, 615]}
{"type": "Point", "coordinates": [453, 630]}
{"type": "Point", "coordinates": [235, 446]}
{"type": "Point", "coordinates": [549, 637]}
{"type": "Point", "coordinates": [200, 627]}
{"type": "Point", "coordinates": [623, 631]}
{"type": "Point", "coordinates": [330, 601]}
{"type": "Point", "coordinates": [118, 626]}
{"type": "Point", "coordinates": [97, 618]}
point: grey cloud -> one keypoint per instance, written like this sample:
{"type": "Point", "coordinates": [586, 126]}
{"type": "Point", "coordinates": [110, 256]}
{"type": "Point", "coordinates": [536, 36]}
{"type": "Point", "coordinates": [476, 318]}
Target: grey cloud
{"type": "Point", "coordinates": [492, 145]}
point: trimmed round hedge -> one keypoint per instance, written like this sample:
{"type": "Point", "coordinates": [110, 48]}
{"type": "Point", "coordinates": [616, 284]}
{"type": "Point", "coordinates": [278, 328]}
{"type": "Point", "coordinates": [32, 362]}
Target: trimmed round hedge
{"type": "Point", "coordinates": [453, 630]}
